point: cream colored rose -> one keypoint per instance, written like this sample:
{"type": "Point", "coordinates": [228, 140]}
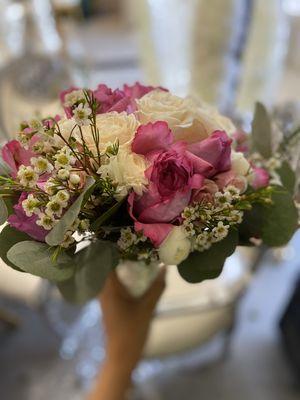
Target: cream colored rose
{"type": "Point", "coordinates": [112, 126]}
{"type": "Point", "coordinates": [239, 164]}
{"type": "Point", "coordinates": [188, 120]}
{"type": "Point", "coordinates": [175, 248]}
{"type": "Point", "coordinates": [127, 169]}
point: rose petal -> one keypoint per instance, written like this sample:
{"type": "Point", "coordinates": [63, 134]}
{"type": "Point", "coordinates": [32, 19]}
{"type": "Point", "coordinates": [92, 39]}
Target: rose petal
{"type": "Point", "coordinates": [152, 137]}
{"type": "Point", "coordinates": [155, 232]}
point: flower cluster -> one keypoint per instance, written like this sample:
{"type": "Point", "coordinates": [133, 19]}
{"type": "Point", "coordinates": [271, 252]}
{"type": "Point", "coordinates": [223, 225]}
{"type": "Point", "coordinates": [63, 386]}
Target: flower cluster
{"type": "Point", "coordinates": [165, 178]}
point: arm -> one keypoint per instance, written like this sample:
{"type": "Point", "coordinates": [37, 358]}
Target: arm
{"type": "Point", "coordinates": [127, 322]}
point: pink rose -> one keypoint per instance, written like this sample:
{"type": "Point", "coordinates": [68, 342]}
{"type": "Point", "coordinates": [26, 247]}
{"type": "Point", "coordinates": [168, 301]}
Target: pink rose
{"type": "Point", "coordinates": [21, 222]}
{"type": "Point", "coordinates": [242, 141]}
{"type": "Point", "coordinates": [215, 150]}
{"type": "Point", "coordinates": [137, 91]}
{"type": "Point", "coordinates": [230, 178]}
{"type": "Point", "coordinates": [206, 193]}
{"type": "Point", "coordinates": [172, 175]}
{"type": "Point", "coordinates": [14, 155]}
{"type": "Point", "coordinates": [261, 178]}
{"type": "Point", "coordinates": [110, 100]}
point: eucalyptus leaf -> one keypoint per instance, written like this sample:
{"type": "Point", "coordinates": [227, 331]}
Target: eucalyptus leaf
{"type": "Point", "coordinates": [94, 263]}
{"type": "Point", "coordinates": [35, 258]}
{"type": "Point", "coordinates": [262, 131]}
{"type": "Point", "coordinates": [8, 238]}
{"type": "Point", "coordinates": [57, 234]}
{"type": "Point", "coordinates": [105, 216]}
{"type": "Point", "coordinates": [287, 176]}
{"type": "Point", "coordinates": [275, 224]}
{"type": "Point", "coordinates": [3, 212]}
{"type": "Point", "coordinates": [208, 264]}
{"type": "Point", "coordinates": [279, 220]}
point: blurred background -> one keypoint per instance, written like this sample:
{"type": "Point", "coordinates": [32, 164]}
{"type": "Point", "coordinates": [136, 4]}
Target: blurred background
{"type": "Point", "coordinates": [235, 337]}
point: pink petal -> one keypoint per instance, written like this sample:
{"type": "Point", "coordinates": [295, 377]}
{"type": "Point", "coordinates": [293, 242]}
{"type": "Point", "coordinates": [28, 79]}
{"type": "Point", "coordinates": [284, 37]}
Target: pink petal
{"type": "Point", "coordinates": [167, 210]}
{"type": "Point", "coordinates": [155, 232]}
{"type": "Point", "coordinates": [216, 150]}
{"type": "Point", "coordinates": [152, 137]}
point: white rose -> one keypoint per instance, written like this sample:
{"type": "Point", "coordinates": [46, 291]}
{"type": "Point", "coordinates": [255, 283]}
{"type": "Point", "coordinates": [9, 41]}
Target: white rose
{"type": "Point", "coordinates": [112, 126]}
{"type": "Point", "coordinates": [175, 248]}
{"type": "Point", "coordinates": [188, 120]}
{"type": "Point", "coordinates": [127, 169]}
{"type": "Point", "coordinates": [239, 164]}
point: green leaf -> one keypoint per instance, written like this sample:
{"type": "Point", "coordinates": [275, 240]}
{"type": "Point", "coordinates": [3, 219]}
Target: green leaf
{"type": "Point", "coordinates": [251, 227]}
{"type": "Point", "coordinates": [35, 258]}
{"type": "Point", "coordinates": [94, 263]}
{"type": "Point", "coordinates": [279, 220]}
{"type": "Point", "coordinates": [8, 238]}
{"type": "Point", "coordinates": [208, 264]}
{"type": "Point", "coordinates": [57, 234]}
{"type": "Point", "coordinates": [262, 131]}
{"type": "Point", "coordinates": [287, 176]}
{"type": "Point", "coordinates": [275, 224]}
{"type": "Point", "coordinates": [3, 212]}
{"type": "Point", "coordinates": [105, 216]}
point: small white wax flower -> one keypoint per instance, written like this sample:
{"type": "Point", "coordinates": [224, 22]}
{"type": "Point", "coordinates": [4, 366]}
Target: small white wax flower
{"type": "Point", "coordinates": [27, 176]}
{"type": "Point", "coordinates": [175, 248]}
{"type": "Point", "coordinates": [239, 164]}
{"type": "Point", "coordinates": [62, 197]}
{"type": "Point", "coordinates": [273, 163]}
{"type": "Point", "coordinates": [74, 179]}
{"type": "Point", "coordinates": [64, 159]}
{"type": "Point", "coordinates": [51, 187]}
{"type": "Point", "coordinates": [73, 97]}
{"type": "Point", "coordinates": [36, 125]}
{"type": "Point", "coordinates": [63, 174]}
{"type": "Point", "coordinates": [46, 221]}
{"type": "Point", "coordinates": [54, 207]}
{"type": "Point", "coordinates": [220, 231]}
{"type": "Point", "coordinates": [41, 165]}
{"type": "Point", "coordinates": [81, 114]}
{"type": "Point", "coordinates": [30, 205]}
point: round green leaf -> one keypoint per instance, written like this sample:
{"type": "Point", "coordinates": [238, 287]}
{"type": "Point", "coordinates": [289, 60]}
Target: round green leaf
{"type": "Point", "coordinates": [279, 220]}
{"type": "Point", "coordinates": [35, 258]}
{"type": "Point", "coordinates": [287, 176]}
{"type": "Point", "coordinates": [94, 263]}
{"type": "Point", "coordinates": [57, 234]}
{"type": "Point", "coordinates": [8, 238]}
{"type": "Point", "coordinates": [3, 212]}
{"type": "Point", "coordinates": [208, 264]}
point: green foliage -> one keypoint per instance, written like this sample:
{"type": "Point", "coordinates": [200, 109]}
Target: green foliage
{"type": "Point", "coordinates": [280, 220]}
{"type": "Point", "coordinates": [56, 236]}
{"type": "Point", "coordinates": [287, 176]}
{"type": "Point", "coordinates": [208, 264]}
{"type": "Point", "coordinates": [275, 223]}
{"type": "Point", "coordinates": [35, 258]}
{"type": "Point", "coordinates": [105, 216]}
{"type": "Point", "coordinates": [8, 238]}
{"type": "Point", "coordinates": [93, 264]}
{"type": "Point", "coordinates": [3, 212]}
{"type": "Point", "coordinates": [262, 131]}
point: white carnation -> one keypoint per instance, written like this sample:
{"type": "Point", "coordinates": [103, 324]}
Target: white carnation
{"type": "Point", "coordinates": [175, 248]}
{"type": "Point", "coordinates": [127, 169]}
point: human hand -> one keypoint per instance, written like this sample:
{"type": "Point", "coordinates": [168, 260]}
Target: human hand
{"type": "Point", "coordinates": [127, 319]}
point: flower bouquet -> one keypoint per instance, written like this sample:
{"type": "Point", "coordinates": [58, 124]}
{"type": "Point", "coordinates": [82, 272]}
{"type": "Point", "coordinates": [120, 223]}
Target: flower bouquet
{"type": "Point", "coordinates": [135, 178]}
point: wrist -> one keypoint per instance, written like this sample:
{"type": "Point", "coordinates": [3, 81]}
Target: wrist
{"type": "Point", "coordinates": [118, 364]}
